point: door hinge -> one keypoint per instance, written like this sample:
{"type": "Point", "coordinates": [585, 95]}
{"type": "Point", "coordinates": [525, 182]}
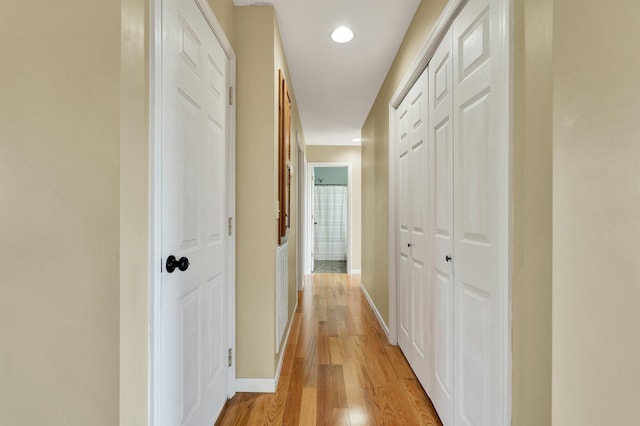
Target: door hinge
{"type": "Point", "coordinates": [231, 95]}
{"type": "Point", "coordinates": [230, 357]}
{"type": "Point", "coordinates": [230, 226]}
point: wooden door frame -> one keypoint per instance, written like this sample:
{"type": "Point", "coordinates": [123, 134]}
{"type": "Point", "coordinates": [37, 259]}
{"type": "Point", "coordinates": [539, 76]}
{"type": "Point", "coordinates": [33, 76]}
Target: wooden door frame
{"type": "Point", "coordinates": [505, 68]}
{"type": "Point", "coordinates": [349, 166]}
{"type": "Point", "coordinates": [155, 205]}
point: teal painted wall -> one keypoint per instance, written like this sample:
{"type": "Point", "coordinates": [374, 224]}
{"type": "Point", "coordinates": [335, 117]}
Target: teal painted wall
{"type": "Point", "coordinates": [331, 175]}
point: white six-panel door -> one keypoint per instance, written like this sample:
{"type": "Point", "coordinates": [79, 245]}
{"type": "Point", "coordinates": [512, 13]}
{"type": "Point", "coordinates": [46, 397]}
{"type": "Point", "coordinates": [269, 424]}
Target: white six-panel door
{"type": "Point", "coordinates": [193, 331]}
{"type": "Point", "coordinates": [480, 217]}
{"type": "Point", "coordinates": [414, 326]}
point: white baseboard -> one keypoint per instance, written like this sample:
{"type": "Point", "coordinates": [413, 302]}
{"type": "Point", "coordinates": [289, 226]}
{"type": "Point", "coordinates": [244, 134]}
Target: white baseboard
{"type": "Point", "coordinates": [356, 272]}
{"type": "Point", "coordinates": [286, 342]}
{"type": "Point", "coordinates": [267, 385]}
{"type": "Point", "coordinates": [384, 326]}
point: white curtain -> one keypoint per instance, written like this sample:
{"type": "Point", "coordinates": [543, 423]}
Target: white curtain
{"type": "Point", "coordinates": [330, 229]}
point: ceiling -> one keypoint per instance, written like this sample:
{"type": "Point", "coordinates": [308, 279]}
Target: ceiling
{"type": "Point", "coordinates": [336, 84]}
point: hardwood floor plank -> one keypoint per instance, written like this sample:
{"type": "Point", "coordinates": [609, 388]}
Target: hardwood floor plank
{"type": "Point", "coordinates": [294, 393]}
{"type": "Point", "coordinates": [238, 410]}
{"type": "Point", "coordinates": [336, 350]}
{"type": "Point", "coordinates": [261, 410]}
{"type": "Point", "coordinates": [308, 406]}
{"type": "Point", "coordinates": [324, 356]}
{"type": "Point", "coordinates": [399, 363]}
{"type": "Point", "coordinates": [340, 417]}
{"type": "Point", "coordinates": [337, 391]}
{"type": "Point", "coordinates": [332, 329]}
{"type": "Point", "coordinates": [275, 415]}
{"type": "Point", "coordinates": [422, 404]}
{"type": "Point", "coordinates": [338, 368]}
{"type": "Point", "coordinates": [311, 365]}
{"type": "Point", "coordinates": [287, 363]}
{"type": "Point", "coordinates": [323, 410]}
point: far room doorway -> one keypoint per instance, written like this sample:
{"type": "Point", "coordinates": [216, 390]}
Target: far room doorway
{"type": "Point", "coordinates": [331, 212]}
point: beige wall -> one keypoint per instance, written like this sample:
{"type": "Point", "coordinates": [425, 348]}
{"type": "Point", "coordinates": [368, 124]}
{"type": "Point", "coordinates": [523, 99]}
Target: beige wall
{"type": "Point", "coordinates": [59, 212]}
{"type": "Point", "coordinates": [375, 162]}
{"type": "Point", "coordinates": [347, 154]}
{"type": "Point", "coordinates": [532, 175]}
{"type": "Point", "coordinates": [596, 213]}
{"type": "Point", "coordinates": [225, 12]}
{"type": "Point", "coordinates": [134, 214]}
{"type": "Point", "coordinates": [256, 188]}
{"type": "Point", "coordinates": [280, 63]}
{"type": "Point", "coordinates": [259, 57]}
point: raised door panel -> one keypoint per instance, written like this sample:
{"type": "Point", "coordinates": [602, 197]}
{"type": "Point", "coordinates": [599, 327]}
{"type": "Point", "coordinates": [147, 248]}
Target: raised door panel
{"type": "Point", "coordinates": [185, 150]}
{"type": "Point", "coordinates": [190, 371]}
{"type": "Point", "coordinates": [214, 170]}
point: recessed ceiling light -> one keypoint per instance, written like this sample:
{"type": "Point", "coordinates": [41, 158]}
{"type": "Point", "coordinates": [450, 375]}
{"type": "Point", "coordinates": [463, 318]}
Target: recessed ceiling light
{"type": "Point", "coordinates": [356, 140]}
{"type": "Point", "coordinates": [342, 35]}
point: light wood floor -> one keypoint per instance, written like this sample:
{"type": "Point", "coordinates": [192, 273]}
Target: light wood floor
{"type": "Point", "coordinates": [339, 368]}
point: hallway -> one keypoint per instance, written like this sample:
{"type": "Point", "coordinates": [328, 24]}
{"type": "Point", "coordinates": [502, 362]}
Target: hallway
{"type": "Point", "coordinates": [338, 368]}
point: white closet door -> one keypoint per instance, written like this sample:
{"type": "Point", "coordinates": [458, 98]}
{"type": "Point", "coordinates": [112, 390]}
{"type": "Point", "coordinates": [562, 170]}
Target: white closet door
{"type": "Point", "coordinates": [441, 216]}
{"type": "Point", "coordinates": [414, 336]}
{"type": "Point", "coordinates": [480, 186]}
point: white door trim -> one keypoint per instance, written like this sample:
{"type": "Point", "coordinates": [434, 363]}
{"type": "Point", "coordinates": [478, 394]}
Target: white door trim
{"type": "Point", "coordinates": [301, 259]}
{"type": "Point", "coordinates": [311, 172]}
{"type": "Point", "coordinates": [505, 92]}
{"type": "Point", "coordinates": [155, 133]}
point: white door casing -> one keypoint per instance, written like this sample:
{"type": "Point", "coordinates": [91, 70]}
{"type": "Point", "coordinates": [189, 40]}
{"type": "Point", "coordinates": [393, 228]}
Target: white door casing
{"type": "Point", "coordinates": [301, 213]}
{"type": "Point", "coordinates": [193, 334]}
{"type": "Point", "coordinates": [312, 218]}
{"type": "Point", "coordinates": [441, 226]}
{"type": "Point", "coordinates": [414, 336]}
{"type": "Point", "coordinates": [481, 165]}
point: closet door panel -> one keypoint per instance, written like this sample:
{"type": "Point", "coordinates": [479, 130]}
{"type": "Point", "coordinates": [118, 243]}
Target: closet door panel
{"type": "Point", "coordinates": [441, 180]}
{"type": "Point", "coordinates": [419, 229]}
{"type": "Point", "coordinates": [404, 237]}
{"type": "Point", "coordinates": [414, 334]}
{"type": "Point", "coordinates": [478, 185]}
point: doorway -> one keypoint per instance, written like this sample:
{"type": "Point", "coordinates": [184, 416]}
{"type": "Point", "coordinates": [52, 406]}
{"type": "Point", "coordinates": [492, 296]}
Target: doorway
{"type": "Point", "coordinates": [330, 218]}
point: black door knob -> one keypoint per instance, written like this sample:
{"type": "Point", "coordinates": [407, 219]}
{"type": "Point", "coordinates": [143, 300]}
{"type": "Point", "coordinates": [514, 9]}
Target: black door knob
{"type": "Point", "coordinates": [448, 258]}
{"type": "Point", "coordinates": [173, 263]}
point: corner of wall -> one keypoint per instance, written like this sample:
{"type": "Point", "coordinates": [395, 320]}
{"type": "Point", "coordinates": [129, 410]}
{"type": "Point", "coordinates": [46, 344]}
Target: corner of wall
{"type": "Point", "coordinates": [532, 212]}
{"type": "Point", "coordinates": [255, 210]}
